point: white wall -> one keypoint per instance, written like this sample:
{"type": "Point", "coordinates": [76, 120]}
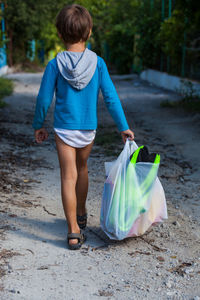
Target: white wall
{"type": "Point", "coordinates": [167, 81]}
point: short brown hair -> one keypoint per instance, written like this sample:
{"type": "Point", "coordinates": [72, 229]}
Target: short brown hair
{"type": "Point", "coordinates": [74, 23]}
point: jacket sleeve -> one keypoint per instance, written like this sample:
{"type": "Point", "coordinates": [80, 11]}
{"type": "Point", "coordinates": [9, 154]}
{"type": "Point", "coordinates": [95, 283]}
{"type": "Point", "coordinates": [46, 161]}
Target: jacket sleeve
{"type": "Point", "coordinates": [45, 95]}
{"type": "Point", "coordinates": [111, 99]}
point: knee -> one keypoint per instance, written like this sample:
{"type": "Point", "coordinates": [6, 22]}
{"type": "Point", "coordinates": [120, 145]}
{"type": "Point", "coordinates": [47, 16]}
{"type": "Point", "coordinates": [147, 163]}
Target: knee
{"type": "Point", "coordinates": [69, 175]}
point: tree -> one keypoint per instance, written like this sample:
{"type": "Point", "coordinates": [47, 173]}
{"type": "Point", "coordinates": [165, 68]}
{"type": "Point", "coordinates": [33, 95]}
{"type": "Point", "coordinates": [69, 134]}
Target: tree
{"type": "Point", "coordinates": [27, 20]}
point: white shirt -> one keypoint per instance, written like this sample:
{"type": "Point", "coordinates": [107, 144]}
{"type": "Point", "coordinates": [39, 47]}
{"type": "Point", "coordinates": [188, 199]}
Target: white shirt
{"type": "Point", "coordinates": [76, 138]}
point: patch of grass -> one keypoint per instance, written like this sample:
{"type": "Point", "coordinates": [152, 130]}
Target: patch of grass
{"type": "Point", "coordinates": [108, 140]}
{"type": "Point", "coordinates": [128, 79]}
{"type": "Point", "coordinates": [191, 105]}
{"type": "Point", "coordinates": [190, 99]}
{"type": "Point", "coordinates": [6, 89]}
{"type": "Point", "coordinates": [168, 103]}
{"type": "Point", "coordinates": [2, 104]}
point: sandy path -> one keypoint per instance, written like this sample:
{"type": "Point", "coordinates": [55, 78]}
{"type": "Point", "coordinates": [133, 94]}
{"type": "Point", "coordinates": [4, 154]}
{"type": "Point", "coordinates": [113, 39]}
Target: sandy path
{"type": "Point", "coordinates": [163, 264]}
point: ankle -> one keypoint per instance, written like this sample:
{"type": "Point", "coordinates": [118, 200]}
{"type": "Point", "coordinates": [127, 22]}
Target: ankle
{"type": "Point", "coordinates": [73, 229]}
{"type": "Point", "coordinates": [81, 211]}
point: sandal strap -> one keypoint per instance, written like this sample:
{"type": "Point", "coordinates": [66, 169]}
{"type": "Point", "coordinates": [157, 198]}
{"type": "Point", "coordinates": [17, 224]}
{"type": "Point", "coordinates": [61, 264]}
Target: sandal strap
{"type": "Point", "coordinates": [75, 236]}
{"type": "Point", "coordinates": [82, 218]}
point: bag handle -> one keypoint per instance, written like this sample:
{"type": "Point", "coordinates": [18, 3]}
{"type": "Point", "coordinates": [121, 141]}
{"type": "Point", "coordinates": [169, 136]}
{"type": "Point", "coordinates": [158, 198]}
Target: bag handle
{"type": "Point", "coordinates": [131, 145]}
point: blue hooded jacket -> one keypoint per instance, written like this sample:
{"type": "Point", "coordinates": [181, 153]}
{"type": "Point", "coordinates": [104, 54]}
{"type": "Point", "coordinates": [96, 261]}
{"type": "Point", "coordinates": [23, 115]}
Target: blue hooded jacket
{"type": "Point", "coordinates": [76, 78]}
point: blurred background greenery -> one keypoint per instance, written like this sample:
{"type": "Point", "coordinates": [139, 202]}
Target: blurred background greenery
{"type": "Point", "coordinates": [131, 34]}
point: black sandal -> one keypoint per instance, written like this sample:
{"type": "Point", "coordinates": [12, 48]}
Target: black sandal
{"type": "Point", "coordinates": [76, 236]}
{"type": "Point", "coordinates": [82, 221]}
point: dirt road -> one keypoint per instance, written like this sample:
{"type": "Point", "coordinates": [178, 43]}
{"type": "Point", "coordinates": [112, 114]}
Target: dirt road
{"type": "Point", "coordinates": [35, 263]}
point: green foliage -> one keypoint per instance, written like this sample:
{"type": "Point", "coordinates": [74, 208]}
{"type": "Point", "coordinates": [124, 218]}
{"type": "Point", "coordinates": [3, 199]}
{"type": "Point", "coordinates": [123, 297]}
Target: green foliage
{"type": "Point", "coordinates": [187, 90]}
{"type": "Point", "coordinates": [124, 31]}
{"type": "Point", "coordinates": [148, 26]}
{"type": "Point", "coordinates": [120, 34]}
{"type": "Point", "coordinates": [175, 24]}
{"type": "Point", "coordinates": [118, 23]}
{"type": "Point", "coordinates": [171, 39]}
{"type": "Point", "coordinates": [190, 99]}
{"type": "Point", "coordinates": [27, 20]}
{"type": "Point", "coordinates": [192, 105]}
{"type": "Point", "coordinates": [6, 88]}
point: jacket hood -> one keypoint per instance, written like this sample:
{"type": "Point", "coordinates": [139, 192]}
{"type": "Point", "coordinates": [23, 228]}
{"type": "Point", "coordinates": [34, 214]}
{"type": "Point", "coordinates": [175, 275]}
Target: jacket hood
{"type": "Point", "coordinates": [77, 67]}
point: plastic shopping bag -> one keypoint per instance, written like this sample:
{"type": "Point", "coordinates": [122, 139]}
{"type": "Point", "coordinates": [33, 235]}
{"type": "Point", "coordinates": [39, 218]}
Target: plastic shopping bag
{"type": "Point", "coordinates": [133, 197]}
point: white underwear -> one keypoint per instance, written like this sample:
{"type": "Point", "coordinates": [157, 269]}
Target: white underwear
{"type": "Point", "coordinates": [76, 138]}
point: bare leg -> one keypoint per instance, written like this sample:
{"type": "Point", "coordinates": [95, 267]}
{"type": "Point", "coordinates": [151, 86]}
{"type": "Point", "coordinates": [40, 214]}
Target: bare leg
{"type": "Point", "coordinates": [68, 171]}
{"type": "Point", "coordinates": [82, 155]}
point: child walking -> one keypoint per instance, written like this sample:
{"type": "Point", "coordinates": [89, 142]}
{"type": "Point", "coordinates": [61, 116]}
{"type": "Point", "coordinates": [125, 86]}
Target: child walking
{"type": "Point", "coordinates": [76, 76]}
